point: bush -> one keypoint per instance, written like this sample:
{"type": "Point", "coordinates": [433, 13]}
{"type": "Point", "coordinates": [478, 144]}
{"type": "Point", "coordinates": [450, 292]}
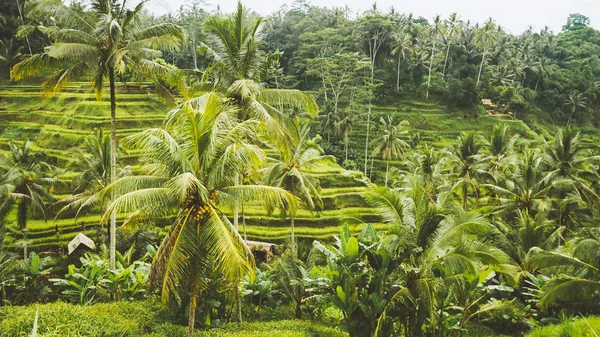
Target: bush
{"type": "Point", "coordinates": [129, 319]}
{"type": "Point", "coordinates": [120, 319]}
{"type": "Point", "coordinates": [294, 328]}
{"type": "Point", "coordinates": [572, 328]}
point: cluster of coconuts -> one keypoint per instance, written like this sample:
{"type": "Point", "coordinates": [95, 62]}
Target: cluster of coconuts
{"type": "Point", "coordinates": [199, 211]}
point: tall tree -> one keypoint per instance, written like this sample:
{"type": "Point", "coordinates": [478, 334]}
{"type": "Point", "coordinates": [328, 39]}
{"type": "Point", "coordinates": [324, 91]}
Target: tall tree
{"type": "Point", "coordinates": [452, 26]}
{"type": "Point", "coordinates": [575, 101]}
{"type": "Point", "coordinates": [402, 45]}
{"type": "Point", "coordinates": [110, 39]}
{"type": "Point", "coordinates": [390, 144]}
{"type": "Point", "coordinates": [290, 172]}
{"type": "Point", "coordinates": [192, 173]}
{"type": "Point", "coordinates": [25, 176]}
{"type": "Point", "coordinates": [434, 31]}
{"type": "Point", "coordinates": [374, 32]}
{"type": "Point", "coordinates": [485, 37]}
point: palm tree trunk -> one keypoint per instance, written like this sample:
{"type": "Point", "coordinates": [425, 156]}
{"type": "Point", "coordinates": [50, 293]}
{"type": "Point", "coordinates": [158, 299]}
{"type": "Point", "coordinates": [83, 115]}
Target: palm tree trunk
{"type": "Point", "coordinates": [464, 195]}
{"type": "Point", "coordinates": [113, 168]}
{"type": "Point", "coordinates": [346, 145]}
{"type": "Point", "coordinates": [367, 140]}
{"type": "Point", "coordinates": [398, 74]}
{"type": "Point", "coordinates": [570, 115]}
{"type": "Point", "coordinates": [23, 23]}
{"type": "Point", "coordinates": [292, 225]}
{"type": "Point", "coordinates": [447, 54]}
{"type": "Point", "coordinates": [235, 208]}
{"type": "Point", "coordinates": [481, 65]}
{"type": "Point", "coordinates": [192, 313]}
{"type": "Point", "coordinates": [371, 171]}
{"type": "Point", "coordinates": [536, 84]}
{"type": "Point", "coordinates": [244, 222]}
{"type": "Point", "coordinates": [387, 166]}
{"type": "Point", "coordinates": [430, 67]}
{"type": "Point", "coordinates": [238, 302]}
{"type": "Point", "coordinates": [195, 53]}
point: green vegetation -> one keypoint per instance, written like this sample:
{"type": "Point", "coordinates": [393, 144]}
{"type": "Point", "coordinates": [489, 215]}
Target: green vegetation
{"type": "Point", "coordinates": [319, 175]}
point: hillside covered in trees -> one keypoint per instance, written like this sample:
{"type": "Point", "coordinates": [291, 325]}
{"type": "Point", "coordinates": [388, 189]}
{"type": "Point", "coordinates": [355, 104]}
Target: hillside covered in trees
{"type": "Point", "coordinates": [314, 172]}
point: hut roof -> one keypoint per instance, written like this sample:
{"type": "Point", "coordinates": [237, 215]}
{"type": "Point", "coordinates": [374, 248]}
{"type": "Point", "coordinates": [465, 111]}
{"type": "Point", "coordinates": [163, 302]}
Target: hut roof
{"type": "Point", "coordinates": [78, 240]}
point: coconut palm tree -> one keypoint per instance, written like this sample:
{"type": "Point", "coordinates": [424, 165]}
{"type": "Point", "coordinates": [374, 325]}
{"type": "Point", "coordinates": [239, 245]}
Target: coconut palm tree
{"type": "Point", "coordinates": [343, 129]}
{"type": "Point", "coordinates": [111, 39]}
{"type": "Point", "coordinates": [569, 158]}
{"type": "Point", "coordinates": [576, 281]}
{"type": "Point", "coordinates": [239, 67]}
{"type": "Point", "coordinates": [468, 162]}
{"type": "Point", "coordinates": [441, 246]}
{"type": "Point", "coordinates": [390, 143]}
{"type": "Point", "coordinates": [501, 146]}
{"type": "Point", "coordinates": [402, 46]}
{"type": "Point", "coordinates": [191, 173]}
{"type": "Point", "coordinates": [25, 181]}
{"type": "Point", "coordinates": [575, 101]}
{"type": "Point", "coordinates": [452, 26]}
{"type": "Point", "coordinates": [93, 162]}
{"type": "Point", "coordinates": [290, 171]}
{"type": "Point", "coordinates": [526, 189]}
{"type": "Point", "coordinates": [485, 37]}
{"type": "Point", "coordinates": [434, 31]}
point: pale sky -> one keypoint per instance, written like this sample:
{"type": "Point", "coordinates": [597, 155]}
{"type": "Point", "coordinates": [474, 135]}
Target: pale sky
{"type": "Point", "coordinates": [514, 15]}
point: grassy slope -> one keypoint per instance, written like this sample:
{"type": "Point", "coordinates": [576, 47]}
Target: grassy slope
{"type": "Point", "coordinates": [57, 124]}
{"type": "Point", "coordinates": [136, 319]}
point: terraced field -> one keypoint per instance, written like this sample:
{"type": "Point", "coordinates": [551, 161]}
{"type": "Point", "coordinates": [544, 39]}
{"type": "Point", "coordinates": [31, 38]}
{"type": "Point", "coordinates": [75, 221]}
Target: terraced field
{"type": "Point", "coordinates": [57, 124]}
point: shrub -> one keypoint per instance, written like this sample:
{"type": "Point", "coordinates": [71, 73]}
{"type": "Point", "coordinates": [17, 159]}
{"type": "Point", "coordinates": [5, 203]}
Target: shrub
{"type": "Point", "coordinates": [588, 327]}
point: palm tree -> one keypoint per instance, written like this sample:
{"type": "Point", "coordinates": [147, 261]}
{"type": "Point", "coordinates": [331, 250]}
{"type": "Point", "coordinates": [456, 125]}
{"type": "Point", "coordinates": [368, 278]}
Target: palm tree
{"type": "Point", "coordinates": [541, 70]}
{"type": "Point", "coordinates": [577, 278]}
{"type": "Point", "coordinates": [433, 33]}
{"type": "Point", "coordinates": [192, 168]}
{"type": "Point", "coordinates": [390, 143]}
{"type": "Point", "coordinates": [240, 66]}
{"type": "Point", "coordinates": [452, 25]}
{"type": "Point", "coordinates": [343, 128]}
{"type": "Point", "coordinates": [576, 100]}
{"type": "Point", "coordinates": [290, 172]}
{"type": "Point", "coordinates": [468, 163]}
{"type": "Point", "coordinates": [93, 161]}
{"type": "Point", "coordinates": [111, 39]}
{"type": "Point", "coordinates": [440, 248]}
{"type": "Point", "coordinates": [10, 53]}
{"type": "Point", "coordinates": [402, 45]}
{"type": "Point", "coordinates": [24, 176]}
{"type": "Point", "coordinates": [525, 190]}
{"type": "Point", "coordinates": [485, 37]}
{"type": "Point", "coordinates": [500, 144]}
{"type": "Point", "coordinates": [568, 158]}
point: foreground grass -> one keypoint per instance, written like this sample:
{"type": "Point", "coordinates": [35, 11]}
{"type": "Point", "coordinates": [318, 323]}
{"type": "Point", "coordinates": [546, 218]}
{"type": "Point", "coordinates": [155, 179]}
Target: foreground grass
{"type": "Point", "coordinates": [128, 319]}
{"type": "Point", "coordinates": [579, 327]}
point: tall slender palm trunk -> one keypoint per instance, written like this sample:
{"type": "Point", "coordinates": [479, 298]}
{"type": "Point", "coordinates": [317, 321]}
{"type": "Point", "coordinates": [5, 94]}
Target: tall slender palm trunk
{"type": "Point", "coordinates": [387, 167]}
{"type": "Point", "coordinates": [398, 74]}
{"type": "Point", "coordinates": [481, 65]}
{"type": "Point", "coordinates": [447, 54]}
{"type": "Point", "coordinates": [346, 145]}
{"type": "Point", "coordinates": [430, 67]}
{"type": "Point", "coordinates": [113, 169]}
{"type": "Point", "coordinates": [192, 312]}
{"type": "Point", "coordinates": [367, 139]}
{"type": "Point", "coordinates": [244, 222]}
{"type": "Point", "coordinates": [292, 225]}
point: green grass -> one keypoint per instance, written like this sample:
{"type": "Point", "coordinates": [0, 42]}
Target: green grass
{"type": "Point", "coordinates": [579, 327]}
{"type": "Point", "coordinates": [136, 319]}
